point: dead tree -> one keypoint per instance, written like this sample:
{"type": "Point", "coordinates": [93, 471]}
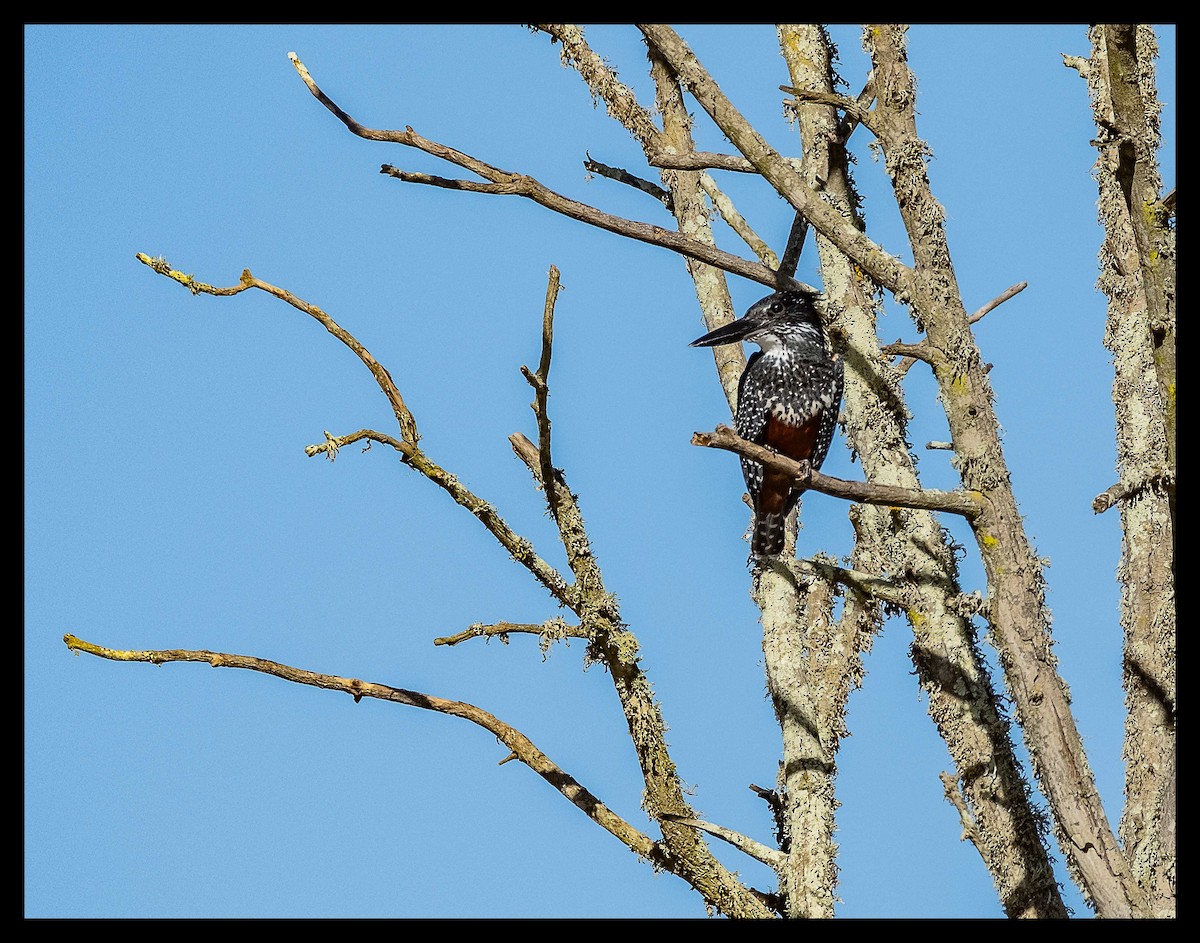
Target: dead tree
{"type": "Point", "coordinates": [819, 617]}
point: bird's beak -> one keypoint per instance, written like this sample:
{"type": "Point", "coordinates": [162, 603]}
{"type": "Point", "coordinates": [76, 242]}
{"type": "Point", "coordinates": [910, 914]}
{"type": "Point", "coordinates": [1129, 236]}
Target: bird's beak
{"type": "Point", "coordinates": [729, 333]}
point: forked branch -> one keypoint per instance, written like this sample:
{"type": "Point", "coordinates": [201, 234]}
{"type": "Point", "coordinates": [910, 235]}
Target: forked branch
{"type": "Point", "coordinates": [504, 182]}
{"type": "Point", "coordinates": [681, 850]}
{"type": "Point", "coordinates": [520, 548]}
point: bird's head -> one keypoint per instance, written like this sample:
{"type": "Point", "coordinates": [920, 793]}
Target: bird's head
{"type": "Point", "coordinates": [779, 318]}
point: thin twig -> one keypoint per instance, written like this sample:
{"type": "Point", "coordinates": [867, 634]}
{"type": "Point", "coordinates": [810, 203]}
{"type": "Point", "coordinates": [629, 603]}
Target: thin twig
{"type": "Point", "coordinates": [728, 212]}
{"type": "Point", "coordinates": [556, 628]}
{"type": "Point", "coordinates": [539, 381]}
{"type": "Point", "coordinates": [910, 353]}
{"type": "Point", "coordinates": [997, 301]}
{"type": "Point", "coordinates": [518, 547]}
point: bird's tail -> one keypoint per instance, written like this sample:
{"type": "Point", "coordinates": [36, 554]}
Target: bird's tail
{"type": "Point", "coordinates": [768, 534]}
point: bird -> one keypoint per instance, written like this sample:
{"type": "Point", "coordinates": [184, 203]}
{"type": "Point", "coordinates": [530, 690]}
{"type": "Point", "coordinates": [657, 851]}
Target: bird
{"type": "Point", "coordinates": [788, 400]}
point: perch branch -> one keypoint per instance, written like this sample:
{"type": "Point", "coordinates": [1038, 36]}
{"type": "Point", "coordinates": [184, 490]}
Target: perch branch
{"type": "Point", "coordinates": [964, 503]}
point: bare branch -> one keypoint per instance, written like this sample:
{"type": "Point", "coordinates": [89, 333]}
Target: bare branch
{"type": "Point", "coordinates": [408, 425]}
{"type": "Point", "coordinates": [738, 224]}
{"type": "Point", "coordinates": [755, 849]}
{"type": "Point", "coordinates": [1122, 490]}
{"type": "Point", "coordinates": [853, 107]}
{"type": "Point", "coordinates": [997, 301]}
{"type": "Point", "coordinates": [910, 353]}
{"type": "Point", "coordinates": [624, 176]}
{"type": "Point", "coordinates": [1020, 621]}
{"type": "Point", "coordinates": [706, 160]}
{"type": "Point", "coordinates": [506, 183]}
{"type": "Point", "coordinates": [521, 746]}
{"type": "Point", "coordinates": [521, 549]}
{"type": "Point", "coordinates": [795, 244]}
{"type": "Point", "coordinates": [552, 628]}
{"type": "Point", "coordinates": [541, 391]}
{"type": "Point", "coordinates": [1138, 274]}
{"type": "Point", "coordinates": [518, 547]}
{"type": "Point", "coordinates": [964, 503]}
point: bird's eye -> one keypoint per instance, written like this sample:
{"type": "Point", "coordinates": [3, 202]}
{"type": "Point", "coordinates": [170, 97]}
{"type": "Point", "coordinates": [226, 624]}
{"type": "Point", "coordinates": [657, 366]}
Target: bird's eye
{"type": "Point", "coordinates": [776, 307]}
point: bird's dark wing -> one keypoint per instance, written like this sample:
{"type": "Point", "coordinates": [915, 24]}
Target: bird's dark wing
{"type": "Point", "coordinates": [829, 411]}
{"type": "Point", "coordinates": [752, 413]}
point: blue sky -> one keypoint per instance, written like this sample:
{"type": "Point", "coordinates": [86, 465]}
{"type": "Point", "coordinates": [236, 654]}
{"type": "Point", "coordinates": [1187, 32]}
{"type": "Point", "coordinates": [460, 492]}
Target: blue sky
{"type": "Point", "coordinates": [169, 502]}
